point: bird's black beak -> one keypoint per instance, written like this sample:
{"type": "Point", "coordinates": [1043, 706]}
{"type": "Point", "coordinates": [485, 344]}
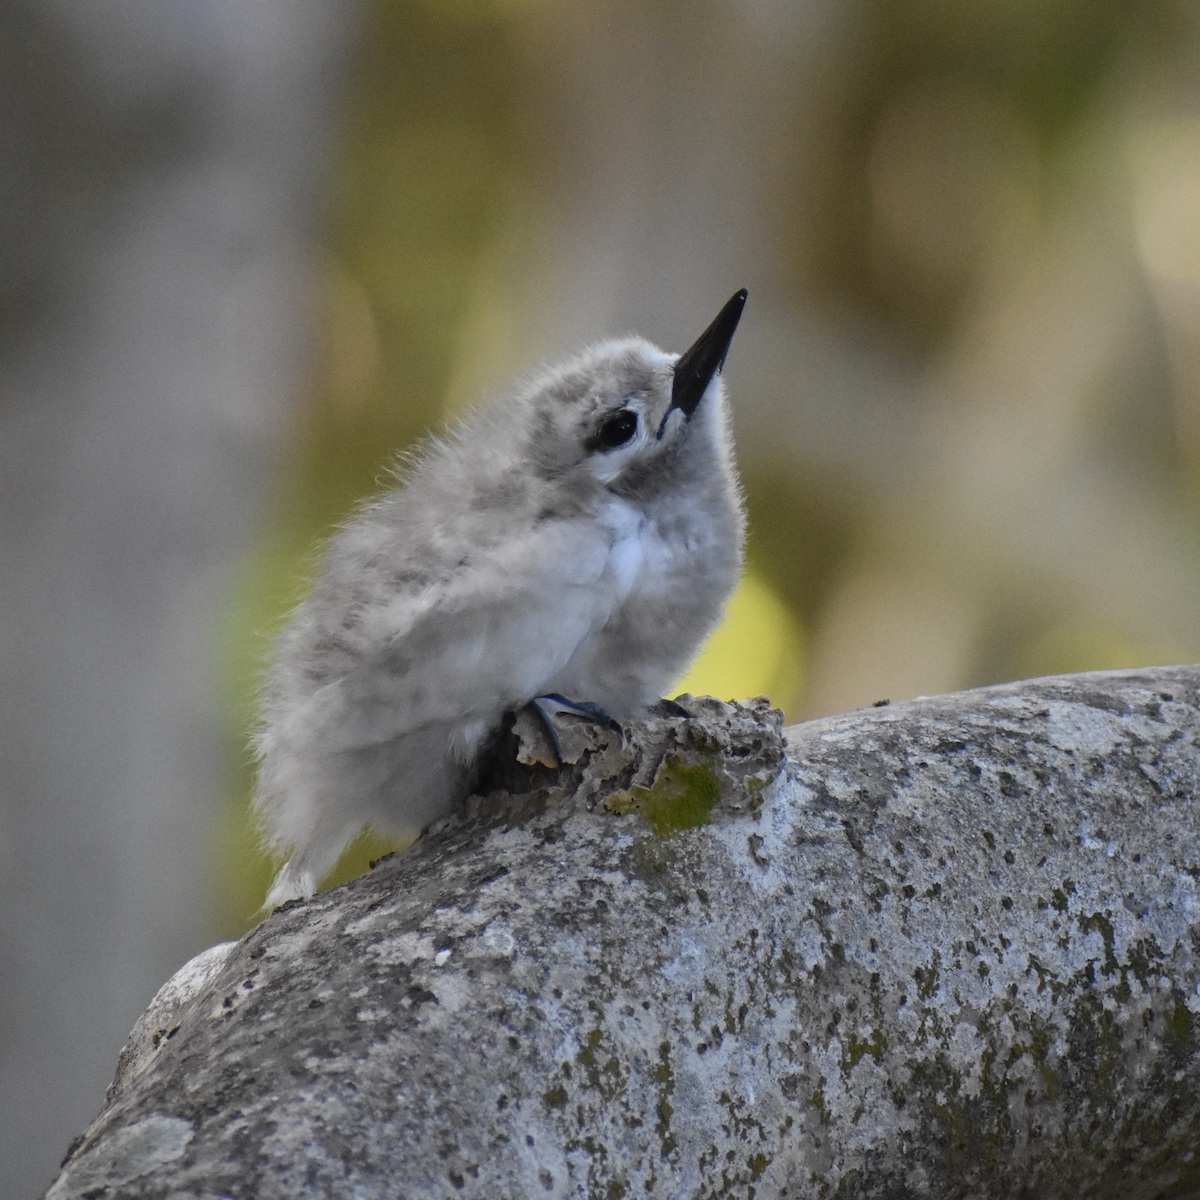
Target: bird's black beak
{"type": "Point", "coordinates": [697, 366]}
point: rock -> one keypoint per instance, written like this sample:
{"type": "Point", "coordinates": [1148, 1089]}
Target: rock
{"type": "Point", "coordinates": [944, 948]}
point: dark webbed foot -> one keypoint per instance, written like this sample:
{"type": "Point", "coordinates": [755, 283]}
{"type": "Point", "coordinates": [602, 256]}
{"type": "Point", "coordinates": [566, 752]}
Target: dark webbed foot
{"type": "Point", "coordinates": [668, 708]}
{"type": "Point", "coordinates": [552, 704]}
{"type": "Point", "coordinates": [546, 714]}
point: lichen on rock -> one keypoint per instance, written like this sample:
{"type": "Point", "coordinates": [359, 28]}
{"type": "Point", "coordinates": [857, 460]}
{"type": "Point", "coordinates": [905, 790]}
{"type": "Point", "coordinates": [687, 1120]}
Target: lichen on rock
{"type": "Point", "coordinates": [946, 948]}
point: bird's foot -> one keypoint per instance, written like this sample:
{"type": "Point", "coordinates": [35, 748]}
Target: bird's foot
{"type": "Point", "coordinates": [668, 708]}
{"type": "Point", "coordinates": [553, 702]}
{"type": "Point", "coordinates": [552, 705]}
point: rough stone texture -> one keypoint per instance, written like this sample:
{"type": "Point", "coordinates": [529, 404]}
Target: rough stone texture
{"type": "Point", "coordinates": [952, 950]}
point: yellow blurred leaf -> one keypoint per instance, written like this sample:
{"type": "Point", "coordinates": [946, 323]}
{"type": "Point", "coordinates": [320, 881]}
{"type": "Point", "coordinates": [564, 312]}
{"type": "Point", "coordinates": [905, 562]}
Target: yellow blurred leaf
{"type": "Point", "coordinates": [757, 650]}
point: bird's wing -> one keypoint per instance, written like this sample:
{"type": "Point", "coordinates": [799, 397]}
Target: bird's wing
{"type": "Point", "coordinates": [487, 637]}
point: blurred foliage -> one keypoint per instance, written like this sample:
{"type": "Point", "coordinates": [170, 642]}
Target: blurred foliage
{"type": "Point", "coordinates": [956, 110]}
{"type": "Point", "coordinates": [425, 162]}
{"type": "Point", "coordinates": [756, 651]}
{"type": "Point", "coordinates": [948, 139]}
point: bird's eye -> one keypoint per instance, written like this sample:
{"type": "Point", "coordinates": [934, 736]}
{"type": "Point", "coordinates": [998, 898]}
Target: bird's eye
{"type": "Point", "coordinates": [615, 430]}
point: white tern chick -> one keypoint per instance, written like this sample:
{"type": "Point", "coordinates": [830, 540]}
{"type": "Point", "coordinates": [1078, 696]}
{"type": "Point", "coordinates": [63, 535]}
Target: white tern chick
{"type": "Point", "coordinates": [576, 539]}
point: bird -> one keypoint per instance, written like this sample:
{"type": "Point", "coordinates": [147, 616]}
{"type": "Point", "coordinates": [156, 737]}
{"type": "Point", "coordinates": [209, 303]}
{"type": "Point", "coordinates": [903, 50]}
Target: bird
{"type": "Point", "coordinates": [575, 539]}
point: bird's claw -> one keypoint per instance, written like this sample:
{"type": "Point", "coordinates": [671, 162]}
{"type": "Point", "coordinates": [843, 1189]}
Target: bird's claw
{"type": "Point", "coordinates": [552, 704]}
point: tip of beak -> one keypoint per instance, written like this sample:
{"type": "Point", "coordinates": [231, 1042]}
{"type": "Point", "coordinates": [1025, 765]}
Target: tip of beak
{"type": "Point", "coordinates": [696, 366]}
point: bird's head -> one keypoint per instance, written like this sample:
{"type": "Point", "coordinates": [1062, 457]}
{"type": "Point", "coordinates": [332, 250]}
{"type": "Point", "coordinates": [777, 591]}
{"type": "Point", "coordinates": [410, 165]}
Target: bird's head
{"type": "Point", "coordinates": [628, 417]}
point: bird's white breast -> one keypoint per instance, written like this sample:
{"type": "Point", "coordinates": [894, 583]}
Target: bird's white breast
{"type": "Point", "coordinates": [627, 554]}
{"type": "Point", "coordinates": [640, 560]}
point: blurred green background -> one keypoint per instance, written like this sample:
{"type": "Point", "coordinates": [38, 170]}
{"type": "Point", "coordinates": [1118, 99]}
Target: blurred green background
{"type": "Point", "coordinates": [967, 385]}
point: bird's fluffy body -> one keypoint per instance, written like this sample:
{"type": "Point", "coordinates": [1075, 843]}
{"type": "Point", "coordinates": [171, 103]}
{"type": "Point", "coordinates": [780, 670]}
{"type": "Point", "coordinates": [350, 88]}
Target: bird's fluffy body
{"type": "Point", "coordinates": [519, 558]}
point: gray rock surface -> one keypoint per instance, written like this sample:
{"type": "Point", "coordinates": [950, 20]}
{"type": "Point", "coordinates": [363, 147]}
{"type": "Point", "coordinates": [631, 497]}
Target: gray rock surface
{"type": "Point", "coordinates": [950, 949]}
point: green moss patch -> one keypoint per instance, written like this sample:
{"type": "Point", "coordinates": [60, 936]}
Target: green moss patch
{"type": "Point", "coordinates": [682, 796]}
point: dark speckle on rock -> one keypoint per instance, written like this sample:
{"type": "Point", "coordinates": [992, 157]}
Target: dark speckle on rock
{"type": "Point", "coordinates": [753, 976]}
